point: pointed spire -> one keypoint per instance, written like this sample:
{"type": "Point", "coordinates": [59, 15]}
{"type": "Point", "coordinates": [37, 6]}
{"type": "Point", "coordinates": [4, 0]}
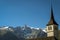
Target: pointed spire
{"type": "Point", "coordinates": [52, 16]}
{"type": "Point", "coordinates": [52, 20]}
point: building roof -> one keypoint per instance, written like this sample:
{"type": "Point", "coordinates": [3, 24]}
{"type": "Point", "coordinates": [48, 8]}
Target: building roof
{"type": "Point", "coordinates": [47, 38]}
{"type": "Point", "coordinates": [52, 20]}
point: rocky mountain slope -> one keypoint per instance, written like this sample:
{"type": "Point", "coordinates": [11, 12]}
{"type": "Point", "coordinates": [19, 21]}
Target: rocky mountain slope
{"type": "Point", "coordinates": [20, 33]}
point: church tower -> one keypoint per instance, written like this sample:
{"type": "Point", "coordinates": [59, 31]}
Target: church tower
{"type": "Point", "coordinates": [52, 27]}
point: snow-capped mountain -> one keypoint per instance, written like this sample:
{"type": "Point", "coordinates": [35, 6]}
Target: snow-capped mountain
{"type": "Point", "coordinates": [25, 31]}
{"type": "Point", "coordinates": [6, 28]}
{"type": "Point", "coordinates": [3, 28]}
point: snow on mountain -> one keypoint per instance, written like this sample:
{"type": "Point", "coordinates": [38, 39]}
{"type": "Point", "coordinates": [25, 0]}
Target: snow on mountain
{"type": "Point", "coordinates": [26, 31]}
{"type": "Point", "coordinates": [44, 30]}
{"type": "Point", "coordinates": [34, 28]}
{"type": "Point", "coordinates": [31, 32]}
{"type": "Point", "coordinates": [2, 28]}
{"type": "Point", "coordinates": [6, 28]}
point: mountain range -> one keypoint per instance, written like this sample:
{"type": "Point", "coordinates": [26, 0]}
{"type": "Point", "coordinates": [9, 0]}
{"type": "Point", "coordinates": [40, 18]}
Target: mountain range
{"type": "Point", "coordinates": [23, 33]}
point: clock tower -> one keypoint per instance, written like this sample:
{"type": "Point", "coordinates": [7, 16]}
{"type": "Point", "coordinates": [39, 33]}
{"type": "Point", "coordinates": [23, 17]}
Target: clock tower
{"type": "Point", "coordinates": [52, 27]}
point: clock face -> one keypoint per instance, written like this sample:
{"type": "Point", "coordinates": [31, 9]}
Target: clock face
{"type": "Point", "coordinates": [49, 28]}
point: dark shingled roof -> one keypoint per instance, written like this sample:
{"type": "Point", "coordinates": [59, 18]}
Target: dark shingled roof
{"type": "Point", "coordinates": [52, 20]}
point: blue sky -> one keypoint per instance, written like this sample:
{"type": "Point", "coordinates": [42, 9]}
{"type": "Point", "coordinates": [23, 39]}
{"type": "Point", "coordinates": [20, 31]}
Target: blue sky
{"type": "Point", "coordinates": [35, 13]}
